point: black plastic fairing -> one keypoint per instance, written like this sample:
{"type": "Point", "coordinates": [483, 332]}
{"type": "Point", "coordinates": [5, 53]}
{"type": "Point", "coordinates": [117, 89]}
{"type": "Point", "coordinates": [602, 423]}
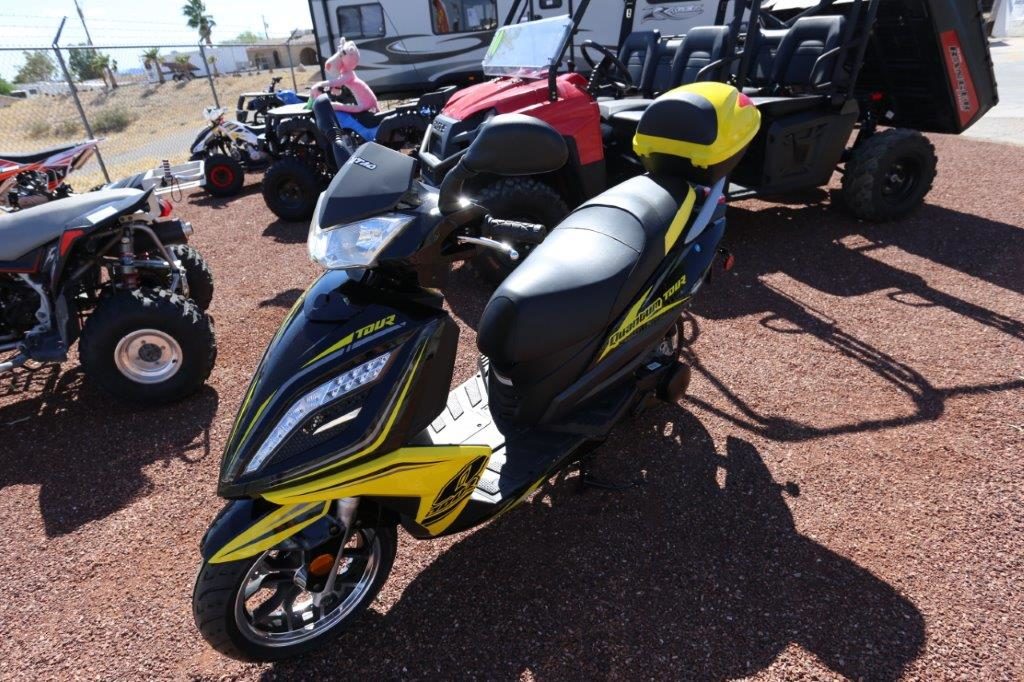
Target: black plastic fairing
{"type": "Point", "coordinates": [371, 182]}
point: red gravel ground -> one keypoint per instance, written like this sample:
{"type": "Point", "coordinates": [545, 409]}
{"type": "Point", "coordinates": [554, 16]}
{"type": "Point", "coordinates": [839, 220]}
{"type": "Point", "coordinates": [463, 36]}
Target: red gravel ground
{"type": "Point", "coordinates": [841, 495]}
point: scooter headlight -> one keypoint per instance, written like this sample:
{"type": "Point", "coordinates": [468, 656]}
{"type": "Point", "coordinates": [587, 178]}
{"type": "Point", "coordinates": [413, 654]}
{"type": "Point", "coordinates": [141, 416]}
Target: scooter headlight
{"type": "Point", "coordinates": [320, 396]}
{"type": "Point", "coordinates": [354, 245]}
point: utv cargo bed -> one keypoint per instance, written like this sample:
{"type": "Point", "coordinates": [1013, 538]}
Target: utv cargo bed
{"type": "Point", "coordinates": [929, 59]}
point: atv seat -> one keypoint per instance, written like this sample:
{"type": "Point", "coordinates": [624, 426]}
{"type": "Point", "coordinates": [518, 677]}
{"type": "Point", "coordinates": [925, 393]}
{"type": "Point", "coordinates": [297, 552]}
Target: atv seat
{"type": "Point", "coordinates": [25, 230]}
{"type": "Point", "coordinates": [583, 276]}
{"type": "Point", "coordinates": [37, 156]}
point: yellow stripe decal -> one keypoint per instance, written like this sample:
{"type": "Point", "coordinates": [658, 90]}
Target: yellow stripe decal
{"type": "Point", "coordinates": [256, 417]}
{"type": "Point", "coordinates": [335, 347]}
{"type": "Point", "coordinates": [682, 217]}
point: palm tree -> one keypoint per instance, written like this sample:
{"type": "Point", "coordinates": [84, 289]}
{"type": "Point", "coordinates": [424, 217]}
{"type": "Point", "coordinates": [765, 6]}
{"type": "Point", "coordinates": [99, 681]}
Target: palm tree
{"type": "Point", "coordinates": [212, 59]}
{"type": "Point", "coordinates": [195, 12]}
{"type": "Point", "coordinates": [151, 57]}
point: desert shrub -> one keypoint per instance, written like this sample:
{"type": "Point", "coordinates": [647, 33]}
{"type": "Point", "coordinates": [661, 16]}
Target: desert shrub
{"type": "Point", "coordinates": [37, 128]}
{"type": "Point", "coordinates": [111, 120]}
{"type": "Point", "coordinates": [66, 128]}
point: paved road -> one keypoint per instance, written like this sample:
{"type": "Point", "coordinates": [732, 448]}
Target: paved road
{"type": "Point", "coordinates": [1005, 122]}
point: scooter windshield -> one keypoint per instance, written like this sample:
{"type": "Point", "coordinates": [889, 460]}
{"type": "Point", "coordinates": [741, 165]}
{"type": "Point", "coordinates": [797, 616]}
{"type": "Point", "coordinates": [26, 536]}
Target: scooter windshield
{"type": "Point", "coordinates": [529, 49]}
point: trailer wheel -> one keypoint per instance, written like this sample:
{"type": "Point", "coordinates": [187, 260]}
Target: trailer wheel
{"type": "Point", "coordinates": [523, 198]}
{"type": "Point", "coordinates": [889, 174]}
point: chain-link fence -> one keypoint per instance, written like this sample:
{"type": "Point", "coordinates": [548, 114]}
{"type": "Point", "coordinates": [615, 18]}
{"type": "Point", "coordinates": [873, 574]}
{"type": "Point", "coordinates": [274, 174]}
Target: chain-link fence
{"type": "Point", "coordinates": [145, 102]}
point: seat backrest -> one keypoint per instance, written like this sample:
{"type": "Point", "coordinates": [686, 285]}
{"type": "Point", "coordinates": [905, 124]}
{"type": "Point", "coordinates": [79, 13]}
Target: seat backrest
{"type": "Point", "coordinates": [638, 52]}
{"type": "Point", "coordinates": [806, 40]}
{"type": "Point", "coordinates": [766, 46]}
{"type": "Point", "coordinates": [701, 46]}
{"type": "Point", "coordinates": [664, 57]}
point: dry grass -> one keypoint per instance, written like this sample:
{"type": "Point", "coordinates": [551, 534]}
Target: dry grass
{"type": "Point", "coordinates": [139, 122]}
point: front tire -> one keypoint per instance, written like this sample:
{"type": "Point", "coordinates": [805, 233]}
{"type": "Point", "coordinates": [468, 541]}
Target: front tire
{"type": "Point", "coordinates": [224, 175]}
{"type": "Point", "coordinates": [237, 619]}
{"type": "Point", "coordinates": [527, 199]}
{"type": "Point", "coordinates": [291, 188]}
{"type": "Point", "coordinates": [148, 346]}
{"type": "Point", "coordinates": [888, 175]}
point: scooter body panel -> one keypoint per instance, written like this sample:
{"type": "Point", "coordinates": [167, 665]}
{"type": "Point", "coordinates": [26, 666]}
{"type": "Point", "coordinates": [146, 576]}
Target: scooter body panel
{"type": "Point", "coordinates": [347, 376]}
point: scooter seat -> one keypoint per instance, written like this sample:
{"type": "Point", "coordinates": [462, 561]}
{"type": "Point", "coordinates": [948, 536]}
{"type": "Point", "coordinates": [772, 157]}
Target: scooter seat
{"type": "Point", "coordinates": [24, 230]}
{"type": "Point", "coordinates": [584, 275]}
{"type": "Point", "coordinates": [36, 156]}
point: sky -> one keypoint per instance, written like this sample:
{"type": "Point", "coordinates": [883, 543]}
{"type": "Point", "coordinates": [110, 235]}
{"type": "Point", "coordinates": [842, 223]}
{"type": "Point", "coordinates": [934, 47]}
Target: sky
{"type": "Point", "coordinates": [125, 22]}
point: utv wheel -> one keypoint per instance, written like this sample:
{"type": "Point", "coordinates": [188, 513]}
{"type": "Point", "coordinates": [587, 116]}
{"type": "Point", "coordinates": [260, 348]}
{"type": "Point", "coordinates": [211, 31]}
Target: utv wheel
{"type": "Point", "coordinates": [526, 199]}
{"type": "Point", "coordinates": [197, 273]}
{"type": "Point", "coordinates": [224, 175]}
{"type": "Point", "coordinates": [291, 188]}
{"type": "Point", "coordinates": [252, 610]}
{"type": "Point", "coordinates": [148, 346]}
{"type": "Point", "coordinates": [889, 175]}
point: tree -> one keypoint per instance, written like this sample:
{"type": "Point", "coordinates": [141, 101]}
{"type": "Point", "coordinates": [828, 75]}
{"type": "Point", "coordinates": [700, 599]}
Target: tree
{"type": "Point", "coordinates": [212, 61]}
{"type": "Point", "coordinates": [5, 87]}
{"type": "Point", "coordinates": [195, 12]}
{"type": "Point", "coordinates": [246, 37]}
{"type": "Point", "coordinates": [37, 67]}
{"type": "Point", "coordinates": [151, 57]}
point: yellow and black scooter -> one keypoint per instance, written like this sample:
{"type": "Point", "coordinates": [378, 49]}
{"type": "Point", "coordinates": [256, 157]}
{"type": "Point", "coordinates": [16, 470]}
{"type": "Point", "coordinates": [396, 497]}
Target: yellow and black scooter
{"type": "Point", "coordinates": [348, 428]}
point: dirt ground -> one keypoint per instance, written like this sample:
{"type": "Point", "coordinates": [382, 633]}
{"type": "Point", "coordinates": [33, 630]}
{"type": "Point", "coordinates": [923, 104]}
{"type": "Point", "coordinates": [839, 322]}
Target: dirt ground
{"type": "Point", "coordinates": [842, 494]}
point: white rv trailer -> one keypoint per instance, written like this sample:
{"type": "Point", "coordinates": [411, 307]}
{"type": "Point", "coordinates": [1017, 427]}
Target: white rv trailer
{"type": "Point", "coordinates": [409, 45]}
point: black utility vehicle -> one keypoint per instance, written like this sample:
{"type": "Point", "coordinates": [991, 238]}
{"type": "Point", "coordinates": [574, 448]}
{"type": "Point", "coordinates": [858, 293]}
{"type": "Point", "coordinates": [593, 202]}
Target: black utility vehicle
{"type": "Point", "coordinates": [850, 86]}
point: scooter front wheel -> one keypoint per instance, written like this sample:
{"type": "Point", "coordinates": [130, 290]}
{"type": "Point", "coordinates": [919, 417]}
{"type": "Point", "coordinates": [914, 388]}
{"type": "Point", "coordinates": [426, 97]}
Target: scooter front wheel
{"type": "Point", "coordinates": [266, 609]}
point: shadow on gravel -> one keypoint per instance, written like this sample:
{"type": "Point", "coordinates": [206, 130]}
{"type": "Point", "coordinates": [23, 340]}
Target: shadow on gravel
{"type": "Point", "coordinates": [805, 243]}
{"type": "Point", "coordinates": [285, 299]}
{"type": "Point", "coordinates": [284, 232]}
{"type": "Point", "coordinates": [86, 451]}
{"type": "Point", "coordinates": [697, 573]}
{"type": "Point", "coordinates": [201, 198]}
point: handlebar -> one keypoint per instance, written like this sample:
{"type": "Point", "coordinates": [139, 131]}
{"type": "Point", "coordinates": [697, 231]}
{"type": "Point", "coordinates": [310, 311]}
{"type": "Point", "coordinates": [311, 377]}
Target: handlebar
{"type": "Point", "coordinates": [522, 232]}
{"type": "Point", "coordinates": [327, 122]}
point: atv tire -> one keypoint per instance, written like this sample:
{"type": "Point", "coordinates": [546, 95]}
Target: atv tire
{"type": "Point", "coordinates": [148, 346]}
{"type": "Point", "coordinates": [224, 175]}
{"type": "Point", "coordinates": [523, 198]}
{"type": "Point", "coordinates": [291, 188]}
{"type": "Point", "coordinates": [888, 175]}
{"type": "Point", "coordinates": [197, 273]}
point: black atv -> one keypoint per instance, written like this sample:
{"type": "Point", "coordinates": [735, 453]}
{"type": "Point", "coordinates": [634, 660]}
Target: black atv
{"type": "Point", "coordinates": [102, 269]}
{"type": "Point", "coordinates": [305, 164]}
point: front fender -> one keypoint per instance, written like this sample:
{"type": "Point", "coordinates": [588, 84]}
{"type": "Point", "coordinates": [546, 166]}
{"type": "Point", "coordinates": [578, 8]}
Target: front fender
{"type": "Point", "coordinates": [245, 528]}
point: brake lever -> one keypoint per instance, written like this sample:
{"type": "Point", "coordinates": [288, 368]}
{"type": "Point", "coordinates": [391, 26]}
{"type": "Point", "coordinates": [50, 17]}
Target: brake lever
{"type": "Point", "coordinates": [511, 253]}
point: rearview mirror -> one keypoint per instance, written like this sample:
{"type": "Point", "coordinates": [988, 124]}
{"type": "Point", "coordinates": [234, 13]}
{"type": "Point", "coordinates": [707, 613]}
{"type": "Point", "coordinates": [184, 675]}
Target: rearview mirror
{"type": "Point", "coordinates": [515, 144]}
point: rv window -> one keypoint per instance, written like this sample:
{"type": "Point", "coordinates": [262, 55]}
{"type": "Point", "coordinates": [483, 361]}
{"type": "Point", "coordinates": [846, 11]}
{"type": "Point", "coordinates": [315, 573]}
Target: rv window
{"type": "Point", "coordinates": [550, 4]}
{"type": "Point", "coordinates": [463, 16]}
{"type": "Point", "coordinates": [361, 21]}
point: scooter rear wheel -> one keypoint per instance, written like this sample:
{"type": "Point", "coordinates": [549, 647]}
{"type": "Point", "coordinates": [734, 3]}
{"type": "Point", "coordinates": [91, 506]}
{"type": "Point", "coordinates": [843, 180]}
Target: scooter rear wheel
{"type": "Point", "coordinates": [255, 610]}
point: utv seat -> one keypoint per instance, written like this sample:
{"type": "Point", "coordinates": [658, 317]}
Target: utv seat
{"type": "Point", "coordinates": [583, 276]}
{"type": "Point", "coordinates": [807, 55]}
{"type": "Point", "coordinates": [639, 54]}
{"type": "Point", "coordinates": [37, 156]}
{"type": "Point", "coordinates": [25, 230]}
{"type": "Point", "coordinates": [701, 48]}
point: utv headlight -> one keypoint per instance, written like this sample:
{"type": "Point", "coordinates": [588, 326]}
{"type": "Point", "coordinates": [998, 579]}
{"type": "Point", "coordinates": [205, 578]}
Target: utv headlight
{"type": "Point", "coordinates": [321, 395]}
{"type": "Point", "coordinates": [355, 245]}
